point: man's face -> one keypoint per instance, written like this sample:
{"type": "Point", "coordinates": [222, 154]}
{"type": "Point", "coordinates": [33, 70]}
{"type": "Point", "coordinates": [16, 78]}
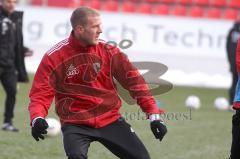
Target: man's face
{"type": "Point", "coordinates": [9, 5]}
{"type": "Point", "coordinates": [89, 34]}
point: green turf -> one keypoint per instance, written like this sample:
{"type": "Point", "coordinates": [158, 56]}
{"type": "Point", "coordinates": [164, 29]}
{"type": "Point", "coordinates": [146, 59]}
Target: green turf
{"type": "Point", "coordinates": [205, 134]}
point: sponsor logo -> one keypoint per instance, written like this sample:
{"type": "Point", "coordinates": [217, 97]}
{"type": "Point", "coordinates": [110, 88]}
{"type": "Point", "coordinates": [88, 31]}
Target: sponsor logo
{"type": "Point", "coordinates": [71, 71]}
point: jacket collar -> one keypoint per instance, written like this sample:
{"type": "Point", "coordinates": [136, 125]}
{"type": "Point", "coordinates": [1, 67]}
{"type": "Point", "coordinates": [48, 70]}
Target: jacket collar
{"type": "Point", "coordinates": [15, 14]}
{"type": "Point", "coordinates": [4, 12]}
{"type": "Point", "coordinates": [77, 44]}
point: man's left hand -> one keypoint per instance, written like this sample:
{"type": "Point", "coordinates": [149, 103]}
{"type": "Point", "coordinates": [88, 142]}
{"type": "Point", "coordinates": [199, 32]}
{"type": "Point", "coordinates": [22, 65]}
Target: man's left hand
{"type": "Point", "coordinates": [159, 129]}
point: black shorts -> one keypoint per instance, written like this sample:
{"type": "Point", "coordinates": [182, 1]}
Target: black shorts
{"type": "Point", "coordinates": [118, 137]}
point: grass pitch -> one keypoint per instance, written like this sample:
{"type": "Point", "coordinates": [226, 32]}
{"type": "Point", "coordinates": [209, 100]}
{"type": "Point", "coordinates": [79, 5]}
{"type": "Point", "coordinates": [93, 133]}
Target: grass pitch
{"type": "Point", "coordinates": [199, 134]}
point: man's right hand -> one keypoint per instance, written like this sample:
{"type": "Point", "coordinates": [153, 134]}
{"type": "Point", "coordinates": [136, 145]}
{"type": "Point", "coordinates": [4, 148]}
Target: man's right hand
{"type": "Point", "coordinates": [236, 118]}
{"type": "Point", "coordinates": [39, 128]}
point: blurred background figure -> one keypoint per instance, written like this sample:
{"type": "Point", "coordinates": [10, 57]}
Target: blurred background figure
{"type": "Point", "coordinates": [232, 38]}
{"type": "Point", "coordinates": [12, 53]}
{"type": "Point", "coordinates": [235, 154]}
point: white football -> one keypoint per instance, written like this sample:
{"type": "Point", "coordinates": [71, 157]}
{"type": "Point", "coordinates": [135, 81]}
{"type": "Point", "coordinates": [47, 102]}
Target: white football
{"type": "Point", "coordinates": [193, 102]}
{"type": "Point", "coordinates": [54, 127]}
{"type": "Point", "coordinates": [221, 103]}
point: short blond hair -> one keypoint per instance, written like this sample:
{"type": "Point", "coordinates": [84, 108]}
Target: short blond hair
{"type": "Point", "coordinates": [79, 16]}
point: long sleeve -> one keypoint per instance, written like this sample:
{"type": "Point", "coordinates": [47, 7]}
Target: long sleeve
{"type": "Point", "coordinates": [236, 103]}
{"type": "Point", "coordinates": [130, 78]}
{"type": "Point", "coordinates": [41, 93]}
{"type": "Point", "coordinates": [228, 45]}
{"type": "Point", "coordinates": [238, 57]}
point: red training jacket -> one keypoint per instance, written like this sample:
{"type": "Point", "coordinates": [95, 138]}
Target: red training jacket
{"type": "Point", "coordinates": [81, 80]}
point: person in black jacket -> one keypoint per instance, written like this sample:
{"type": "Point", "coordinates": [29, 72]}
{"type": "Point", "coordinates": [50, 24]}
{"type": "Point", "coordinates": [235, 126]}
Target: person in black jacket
{"type": "Point", "coordinates": [12, 53]}
{"type": "Point", "coordinates": [232, 38]}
